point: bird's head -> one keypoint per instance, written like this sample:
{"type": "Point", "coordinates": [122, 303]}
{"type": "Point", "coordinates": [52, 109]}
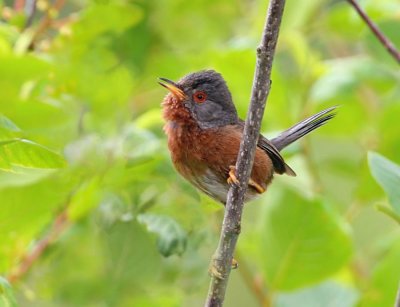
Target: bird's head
{"type": "Point", "coordinates": [203, 95]}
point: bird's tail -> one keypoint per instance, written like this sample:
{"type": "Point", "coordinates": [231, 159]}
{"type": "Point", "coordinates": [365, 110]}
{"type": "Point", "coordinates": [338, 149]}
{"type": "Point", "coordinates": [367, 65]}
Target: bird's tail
{"type": "Point", "coordinates": [302, 128]}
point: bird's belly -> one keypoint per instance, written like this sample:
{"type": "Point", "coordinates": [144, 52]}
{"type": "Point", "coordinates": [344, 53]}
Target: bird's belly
{"type": "Point", "coordinates": [217, 188]}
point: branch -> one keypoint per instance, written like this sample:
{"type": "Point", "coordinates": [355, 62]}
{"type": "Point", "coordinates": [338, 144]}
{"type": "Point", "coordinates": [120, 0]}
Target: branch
{"type": "Point", "coordinates": [222, 259]}
{"type": "Point", "coordinates": [397, 303]}
{"type": "Point", "coordinates": [47, 20]}
{"type": "Point", "coordinates": [378, 33]}
{"type": "Point", "coordinates": [57, 228]}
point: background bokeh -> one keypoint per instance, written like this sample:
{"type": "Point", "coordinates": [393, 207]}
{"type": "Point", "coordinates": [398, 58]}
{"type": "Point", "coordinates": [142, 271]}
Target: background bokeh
{"type": "Point", "coordinates": [92, 212]}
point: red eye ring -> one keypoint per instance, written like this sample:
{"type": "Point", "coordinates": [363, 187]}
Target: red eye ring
{"type": "Point", "coordinates": [199, 96]}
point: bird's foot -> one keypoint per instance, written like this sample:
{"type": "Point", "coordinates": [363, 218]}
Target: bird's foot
{"type": "Point", "coordinates": [255, 185]}
{"type": "Point", "coordinates": [234, 264]}
{"type": "Point", "coordinates": [232, 179]}
{"type": "Point", "coordinates": [232, 176]}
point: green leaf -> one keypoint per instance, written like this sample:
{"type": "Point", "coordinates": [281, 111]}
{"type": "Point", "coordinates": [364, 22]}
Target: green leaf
{"type": "Point", "coordinates": [115, 16]}
{"type": "Point", "coordinates": [8, 124]}
{"type": "Point", "coordinates": [329, 293]}
{"type": "Point", "coordinates": [387, 174]}
{"type": "Point", "coordinates": [85, 199]}
{"type": "Point", "coordinates": [17, 152]}
{"type": "Point", "coordinates": [8, 130]}
{"type": "Point", "coordinates": [7, 298]}
{"type": "Point", "coordinates": [303, 242]}
{"type": "Point", "coordinates": [172, 238]}
{"type": "Point", "coordinates": [132, 254]}
{"type": "Point", "coordinates": [21, 152]}
{"type": "Point", "coordinates": [21, 176]}
{"type": "Point", "coordinates": [385, 280]}
{"type": "Point", "coordinates": [389, 212]}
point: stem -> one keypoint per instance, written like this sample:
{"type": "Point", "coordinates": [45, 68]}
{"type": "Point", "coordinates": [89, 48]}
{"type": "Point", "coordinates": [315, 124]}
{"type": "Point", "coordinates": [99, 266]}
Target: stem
{"type": "Point", "coordinates": [221, 262]}
{"type": "Point", "coordinates": [47, 20]}
{"type": "Point", "coordinates": [59, 225]}
{"type": "Point", "coordinates": [397, 303]}
{"type": "Point", "coordinates": [377, 32]}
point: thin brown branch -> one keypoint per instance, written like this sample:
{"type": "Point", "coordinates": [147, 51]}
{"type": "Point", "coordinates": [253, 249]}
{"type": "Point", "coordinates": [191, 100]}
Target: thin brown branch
{"type": "Point", "coordinates": [390, 47]}
{"type": "Point", "coordinates": [30, 258]}
{"type": "Point", "coordinates": [397, 303]}
{"type": "Point", "coordinates": [19, 5]}
{"type": "Point", "coordinates": [47, 20]}
{"type": "Point", "coordinates": [231, 225]}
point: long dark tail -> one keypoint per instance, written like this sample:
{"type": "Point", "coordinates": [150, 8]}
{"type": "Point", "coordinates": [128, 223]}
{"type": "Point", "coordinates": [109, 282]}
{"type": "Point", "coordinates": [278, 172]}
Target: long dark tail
{"type": "Point", "coordinates": [304, 127]}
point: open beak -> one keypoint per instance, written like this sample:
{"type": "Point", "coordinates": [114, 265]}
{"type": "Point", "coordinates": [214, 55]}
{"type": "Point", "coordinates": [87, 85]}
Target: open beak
{"type": "Point", "coordinates": [173, 88]}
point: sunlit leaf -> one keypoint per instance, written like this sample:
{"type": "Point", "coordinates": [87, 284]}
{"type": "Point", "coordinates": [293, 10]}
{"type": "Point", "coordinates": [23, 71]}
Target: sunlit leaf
{"type": "Point", "coordinates": [171, 237]}
{"type": "Point", "coordinates": [387, 174]}
{"type": "Point", "coordinates": [18, 152]}
{"type": "Point", "coordinates": [21, 152]}
{"type": "Point", "coordinates": [17, 176]}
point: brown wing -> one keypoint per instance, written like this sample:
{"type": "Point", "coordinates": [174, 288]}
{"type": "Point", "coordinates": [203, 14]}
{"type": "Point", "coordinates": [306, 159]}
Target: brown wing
{"type": "Point", "coordinates": [278, 162]}
{"type": "Point", "coordinates": [219, 150]}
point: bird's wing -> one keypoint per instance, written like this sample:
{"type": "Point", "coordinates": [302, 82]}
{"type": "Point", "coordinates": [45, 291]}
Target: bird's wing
{"type": "Point", "coordinates": [278, 162]}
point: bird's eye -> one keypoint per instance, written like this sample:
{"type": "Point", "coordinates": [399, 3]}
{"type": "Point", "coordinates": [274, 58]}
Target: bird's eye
{"type": "Point", "coordinates": [199, 97]}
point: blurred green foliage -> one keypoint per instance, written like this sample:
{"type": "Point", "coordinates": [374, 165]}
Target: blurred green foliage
{"type": "Point", "coordinates": [81, 135]}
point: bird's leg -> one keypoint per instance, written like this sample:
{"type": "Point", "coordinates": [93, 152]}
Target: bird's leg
{"type": "Point", "coordinates": [233, 180]}
{"type": "Point", "coordinates": [232, 176]}
{"type": "Point", "coordinates": [255, 185]}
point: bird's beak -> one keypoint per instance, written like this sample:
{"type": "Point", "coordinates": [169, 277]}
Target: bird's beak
{"type": "Point", "coordinates": [173, 88]}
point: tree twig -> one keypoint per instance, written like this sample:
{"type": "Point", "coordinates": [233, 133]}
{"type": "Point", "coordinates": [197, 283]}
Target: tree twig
{"type": "Point", "coordinates": [390, 47]}
{"type": "Point", "coordinates": [30, 258]}
{"type": "Point", "coordinates": [397, 303]}
{"type": "Point", "coordinates": [231, 225]}
{"type": "Point", "coordinates": [47, 20]}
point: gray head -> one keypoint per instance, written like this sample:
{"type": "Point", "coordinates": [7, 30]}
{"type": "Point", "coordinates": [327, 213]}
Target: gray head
{"type": "Point", "coordinates": [206, 96]}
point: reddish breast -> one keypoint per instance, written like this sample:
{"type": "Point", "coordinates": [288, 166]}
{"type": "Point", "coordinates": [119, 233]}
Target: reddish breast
{"type": "Point", "coordinates": [184, 139]}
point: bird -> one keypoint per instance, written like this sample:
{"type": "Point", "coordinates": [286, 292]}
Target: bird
{"type": "Point", "coordinates": [204, 133]}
